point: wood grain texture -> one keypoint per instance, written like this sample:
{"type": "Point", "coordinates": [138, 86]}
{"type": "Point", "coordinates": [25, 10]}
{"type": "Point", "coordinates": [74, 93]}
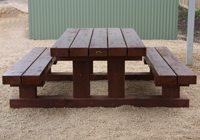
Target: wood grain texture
{"type": "Point", "coordinates": [81, 43]}
{"type": "Point", "coordinates": [68, 76]}
{"type": "Point", "coordinates": [98, 46]}
{"type": "Point", "coordinates": [172, 91]}
{"type": "Point", "coordinates": [13, 76]}
{"type": "Point", "coordinates": [116, 43]}
{"type": "Point", "coordinates": [98, 101]}
{"type": "Point", "coordinates": [134, 44]}
{"type": "Point", "coordinates": [163, 74]}
{"type": "Point", "coordinates": [27, 92]}
{"type": "Point", "coordinates": [98, 58]}
{"type": "Point", "coordinates": [37, 71]}
{"type": "Point", "coordinates": [116, 79]}
{"type": "Point", "coordinates": [81, 79]}
{"type": "Point", "coordinates": [62, 45]}
{"type": "Point", "coordinates": [185, 75]}
{"type": "Point", "coordinates": [65, 76]}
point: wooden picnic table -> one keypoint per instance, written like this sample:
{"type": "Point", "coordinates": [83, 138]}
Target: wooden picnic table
{"type": "Point", "coordinates": [85, 45]}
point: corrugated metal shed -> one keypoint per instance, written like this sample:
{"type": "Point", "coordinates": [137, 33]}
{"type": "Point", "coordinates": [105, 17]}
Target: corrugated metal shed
{"type": "Point", "coordinates": [152, 19]}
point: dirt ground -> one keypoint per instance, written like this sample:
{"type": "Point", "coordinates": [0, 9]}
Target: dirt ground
{"type": "Point", "coordinates": [182, 26]}
{"type": "Point", "coordinates": [120, 123]}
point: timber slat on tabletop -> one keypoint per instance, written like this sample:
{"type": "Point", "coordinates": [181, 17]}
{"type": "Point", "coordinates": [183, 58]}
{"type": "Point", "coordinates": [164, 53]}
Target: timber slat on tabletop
{"type": "Point", "coordinates": [135, 46]}
{"type": "Point", "coordinates": [37, 71]}
{"type": "Point", "coordinates": [98, 46]}
{"type": "Point", "coordinates": [13, 76]}
{"type": "Point", "coordinates": [81, 43]}
{"type": "Point", "coordinates": [61, 47]}
{"type": "Point", "coordinates": [97, 101]}
{"type": "Point", "coordinates": [164, 75]}
{"type": "Point", "coordinates": [185, 75]}
{"type": "Point", "coordinates": [116, 43]}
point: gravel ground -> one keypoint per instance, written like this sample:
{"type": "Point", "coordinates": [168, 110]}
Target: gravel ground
{"type": "Point", "coordinates": [123, 123]}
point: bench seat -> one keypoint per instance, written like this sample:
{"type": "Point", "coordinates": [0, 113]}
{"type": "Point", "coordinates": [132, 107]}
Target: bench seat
{"type": "Point", "coordinates": [167, 68]}
{"type": "Point", "coordinates": [30, 72]}
{"type": "Point", "coordinates": [169, 72]}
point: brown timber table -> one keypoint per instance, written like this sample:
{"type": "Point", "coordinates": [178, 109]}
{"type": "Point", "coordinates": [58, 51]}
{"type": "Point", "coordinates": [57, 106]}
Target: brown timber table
{"type": "Point", "coordinates": [85, 45]}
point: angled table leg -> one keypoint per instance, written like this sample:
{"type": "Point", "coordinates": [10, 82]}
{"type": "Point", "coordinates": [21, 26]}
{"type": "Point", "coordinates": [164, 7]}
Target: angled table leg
{"type": "Point", "coordinates": [81, 79]}
{"type": "Point", "coordinates": [116, 79]}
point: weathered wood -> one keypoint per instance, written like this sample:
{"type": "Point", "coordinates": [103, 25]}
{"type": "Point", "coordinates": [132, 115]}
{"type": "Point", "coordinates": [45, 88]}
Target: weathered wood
{"type": "Point", "coordinates": [91, 67]}
{"type": "Point", "coordinates": [163, 74]}
{"type": "Point", "coordinates": [134, 44]}
{"type": "Point", "coordinates": [172, 91]}
{"type": "Point", "coordinates": [81, 43]}
{"type": "Point", "coordinates": [185, 75]}
{"type": "Point", "coordinates": [27, 92]}
{"type": "Point", "coordinates": [98, 46]}
{"type": "Point", "coordinates": [61, 47]}
{"type": "Point", "coordinates": [59, 76]}
{"type": "Point", "coordinates": [63, 76]}
{"type": "Point", "coordinates": [97, 101]}
{"type": "Point", "coordinates": [116, 79]}
{"type": "Point", "coordinates": [116, 43]}
{"type": "Point", "coordinates": [98, 58]}
{"type": "Point", "coordinates": [81, 79]}
{"type": "Point", "coordinates": [13, 76]}
{"type": "Point", "coordinates": [37, 71]}
{"type": "Point", "coordinates": [30, 85]}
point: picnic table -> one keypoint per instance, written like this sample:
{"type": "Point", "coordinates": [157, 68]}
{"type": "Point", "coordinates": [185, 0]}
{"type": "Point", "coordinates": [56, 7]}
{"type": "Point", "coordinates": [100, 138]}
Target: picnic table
{"type": "Point", "coordinates": [85, 45]}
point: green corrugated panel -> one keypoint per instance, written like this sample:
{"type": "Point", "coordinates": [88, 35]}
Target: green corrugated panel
{"type": "Point", "coordinates": [152, 19]}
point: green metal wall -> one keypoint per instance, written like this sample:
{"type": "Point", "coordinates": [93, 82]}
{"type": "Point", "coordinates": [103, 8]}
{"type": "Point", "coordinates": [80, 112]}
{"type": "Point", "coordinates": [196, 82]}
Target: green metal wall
{"type": "Point", "coordinates": [152, 19]}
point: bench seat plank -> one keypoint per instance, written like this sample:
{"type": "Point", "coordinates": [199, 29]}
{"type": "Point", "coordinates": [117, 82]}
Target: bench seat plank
{"type": "Point", "coordinates": [185, 75]}
{"type": "Point", "coordinates": [81, 43]}
{"type": "Point", "coordinates": [37, 71]}
{"type": "Point", "coordinates": [61, 47]}
{"type": "Point", "coordinates": [98, 46]}
{"type": "Point", "coordinates": [135, 45]}
{"type": "Point", "coordinates": [116, 43]}
{"type": "Point", "coordinates": [13, 76]}
{"type": "Point", "coordinates": [164, 75]}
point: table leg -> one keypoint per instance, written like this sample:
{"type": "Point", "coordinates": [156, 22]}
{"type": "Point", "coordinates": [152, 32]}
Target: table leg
{"type": "Point", "coordinates": [91, 67]}
{"type": "Point", "coordinates": [116, 79]}
{"type": "Point", "coordinates": [81, 79]}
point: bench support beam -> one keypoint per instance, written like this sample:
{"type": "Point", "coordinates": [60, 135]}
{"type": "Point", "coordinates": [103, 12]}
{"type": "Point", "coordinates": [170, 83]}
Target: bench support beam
{"type": "Point", "coordinates": [27, 92]}
{"type": "Point", "coordinates": [97, 101]}
{"type": "Point", "coordinates": [171, 91]}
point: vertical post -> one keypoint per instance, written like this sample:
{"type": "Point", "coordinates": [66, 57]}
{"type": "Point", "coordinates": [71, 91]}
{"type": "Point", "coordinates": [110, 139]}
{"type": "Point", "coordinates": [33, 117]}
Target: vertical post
{"type": "Point", "coordinates": [27, 92]}
{"type": "Point", "coordinates": [116, 79]}
{"type": "Point", "coordinates": [171, 91]}
{"type": "Point", "coordinates": [91, 67]}
{"type": "Point", "coordinates": [81, 79]}
{"type": "Point", "coordinates": [190, 32]}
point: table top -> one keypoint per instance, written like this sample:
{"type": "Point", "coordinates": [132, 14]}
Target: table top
{"type": "Point", "coordinates": [99, 42]}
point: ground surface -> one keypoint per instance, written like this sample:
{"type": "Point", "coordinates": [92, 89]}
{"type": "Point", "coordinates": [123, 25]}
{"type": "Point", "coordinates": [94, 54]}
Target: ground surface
{"type": "Point", "coordinates": [182, 26]}
{"type": "Point", "coordinates": [123, 123]}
